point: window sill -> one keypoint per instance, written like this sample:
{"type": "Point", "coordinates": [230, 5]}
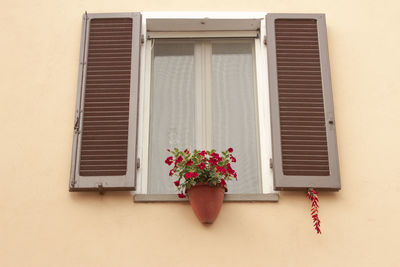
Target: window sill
{"type": "Point", "coordinates": [271, 197]}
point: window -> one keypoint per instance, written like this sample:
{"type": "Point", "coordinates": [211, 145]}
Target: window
{"type": "Point", "coordinates": [203, 92]}
{"type": "Point", "coordinates": [153, 81]}
{"type": "Point", "coordinates": [203, 96]}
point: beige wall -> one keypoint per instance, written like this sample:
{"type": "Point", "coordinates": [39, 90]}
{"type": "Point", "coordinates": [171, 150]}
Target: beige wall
{"type": "Point", "coordinates": [42, 224]}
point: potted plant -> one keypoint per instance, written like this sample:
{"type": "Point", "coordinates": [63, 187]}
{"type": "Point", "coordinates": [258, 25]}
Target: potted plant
{"type": "Point", "coordinates": [202, 176]}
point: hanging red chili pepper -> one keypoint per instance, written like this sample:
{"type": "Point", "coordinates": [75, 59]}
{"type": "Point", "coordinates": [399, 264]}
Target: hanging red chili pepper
{"type": "Point", "coordinates": [313, 197]}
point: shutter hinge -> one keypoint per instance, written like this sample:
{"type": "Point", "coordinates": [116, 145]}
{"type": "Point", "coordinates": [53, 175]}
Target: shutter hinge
{"type": "Point", "coordinates": [137, 163]}
{"type": "Point", "coordinates": [271, 165]}
{"type": "Point", "coordinates": [100, 188]}
{"type": "Point", "coordinates": [142, 39]}
{"type": "Point", "coordinates": [265, 39]}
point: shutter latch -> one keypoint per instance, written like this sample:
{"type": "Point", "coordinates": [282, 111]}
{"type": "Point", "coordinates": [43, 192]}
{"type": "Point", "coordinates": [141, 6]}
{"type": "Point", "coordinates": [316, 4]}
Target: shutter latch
{"type": "Point", "coordinates": [271, 165]}
{"type": "Point", "coordinates": [76, 125]}
{"type": "Point", "coordinates": [137, 163]}
{"type": "Point", "coordinates": [100, 188]}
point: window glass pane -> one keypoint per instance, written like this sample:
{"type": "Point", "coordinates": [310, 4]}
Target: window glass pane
{"type": "Point", "coordinates": [234, 111]}
{"type": "Point", "coordinates": [172, 109]}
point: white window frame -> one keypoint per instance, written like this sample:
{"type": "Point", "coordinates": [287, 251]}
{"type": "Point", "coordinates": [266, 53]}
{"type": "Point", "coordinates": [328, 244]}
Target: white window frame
{"type": "Point", "coordinates": [221, 20]}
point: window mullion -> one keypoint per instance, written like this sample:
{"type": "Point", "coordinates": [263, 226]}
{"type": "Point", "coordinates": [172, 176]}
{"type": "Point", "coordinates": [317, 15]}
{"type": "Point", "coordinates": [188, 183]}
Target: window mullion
{"type": "Point", "coordinates": [199, 95]}
{"type": "Point", "coordinates": [207, 77]}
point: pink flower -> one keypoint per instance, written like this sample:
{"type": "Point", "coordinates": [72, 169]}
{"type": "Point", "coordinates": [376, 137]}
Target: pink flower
{"type": "Point", "coordinates": [176, 183]}
{"type": "Point", "coordinates": [201, 166]}
{"type": "Point", "coordinates": [181, 195]}
{"type": "Point", "coordinates": [223, 183]}
{"type": "Point", "coordinates": [189, 163]}
{"type": "Point", "coordinates": [230, 150]}
{"type": "Point", "coordinates": [169, 160]}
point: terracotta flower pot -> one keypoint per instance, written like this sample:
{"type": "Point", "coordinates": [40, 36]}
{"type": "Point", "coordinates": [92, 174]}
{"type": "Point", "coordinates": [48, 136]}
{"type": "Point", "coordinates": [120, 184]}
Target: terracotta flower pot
{"type": "Point", "coordinates": [206, 201]}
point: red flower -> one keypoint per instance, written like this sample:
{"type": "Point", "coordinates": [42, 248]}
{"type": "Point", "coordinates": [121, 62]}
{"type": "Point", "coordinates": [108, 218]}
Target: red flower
{"type": "Point", "coordinates": [235, 175]}
{"type": "Point", "coordinates": [221, 169]}
{"type": "Point", "coordinates": [223, 183]}
{"type": "Point", "coordinates": [181, 195]}
{"type": "Point", "coordinates": [233, 158]}
{"type": "Point", "coordinates": [176, 183]}
{"type": "Point", "coordinates": [171, 172]}
{"type": "Point", "coordinates": [201, 166]}
{"type": "Point", "coordinates": [169, 160]}
{"type": "Point", "coordinates": [214, 155]}
{"type": "Point", "coordinates": [203, 153]}
{"type": "Point", "coordinates": [179, 160]}
{"type": "Point", "coordinates": [230, 150]}
{"type": "Point", "coordinates": [189, 163]}
{"type": "Point", "coordinates": [229, 169]}
{"type": "Point", "coordinates": [190, 175]}
{"type": "Point", "coordinates": [212, 161]}
{"type": "Point", "coordinates": [186, 151]}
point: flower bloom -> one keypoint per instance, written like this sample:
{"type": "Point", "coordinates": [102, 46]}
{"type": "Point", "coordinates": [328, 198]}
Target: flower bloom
{"type": "Point", "coordinates": [233, 158]}
{"type": "Point", "coordinates": [181, 195]}
{"type": "Point", "coordinates": [189, 163]}
{"type": "Point", "coordinates": [169, 160]}
{"type": "Point", "coordinates": [176, 183]}
{"type": "Point", "coordinates": [223, 183]}
{"type": "Point", "coordinates": [229, 169]}
{"type": "Point", "coordinates": [186, 151]}
{"type": "Point", "coordinates": [179, 160]}
{"type": "Point", "coordinates": [214, 155]}
{"type": "Point", "coordinates": [203, 153]}
{"type": "Point", "coordinates": [221, 169]}
{"type": "Point", "coordinates": [171, 172]}
{"type": "Point", "coordinates": [212, 161]}
{"type": "Point", "coordinates": [201, 166]}
{"type": "Point", "coordinates": [190, 175]}
{"type": "Point", "coordinates": [230, 150]}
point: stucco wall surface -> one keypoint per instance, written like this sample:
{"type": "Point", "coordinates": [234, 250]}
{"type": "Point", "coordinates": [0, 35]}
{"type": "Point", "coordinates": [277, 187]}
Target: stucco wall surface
{"type": "Point", "coordinates": [42, 224]}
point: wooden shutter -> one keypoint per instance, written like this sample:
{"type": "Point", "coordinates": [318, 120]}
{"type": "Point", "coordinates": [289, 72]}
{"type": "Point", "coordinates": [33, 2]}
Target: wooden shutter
{"type": "Point", "coordinates": [302, 119]}
{"type": "Point", "coordinates": [104, 144]}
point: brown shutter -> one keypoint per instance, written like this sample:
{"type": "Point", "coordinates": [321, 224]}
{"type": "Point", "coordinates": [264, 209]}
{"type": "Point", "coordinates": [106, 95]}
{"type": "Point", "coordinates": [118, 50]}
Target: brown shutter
{"type": "Point", "coordinates": [104, 148]}
{"type": "Point", "coordinates": [302, 119]}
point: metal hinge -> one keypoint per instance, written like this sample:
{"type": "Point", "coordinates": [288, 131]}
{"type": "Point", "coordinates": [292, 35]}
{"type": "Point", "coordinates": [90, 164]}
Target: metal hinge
{"type": "Point", "coordinates": [137, 163]}
{"type": "Point", "coordinates": [271, 165]}
{"type": "Point", "coordinates": [142, 39]}
{"type": "Point", "coordinates": [265, 39]}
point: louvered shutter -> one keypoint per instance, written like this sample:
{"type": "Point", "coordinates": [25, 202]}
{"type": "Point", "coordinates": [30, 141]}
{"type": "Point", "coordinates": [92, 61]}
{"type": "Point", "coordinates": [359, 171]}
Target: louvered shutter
{"type": "Point", "coordinates": [104, 144]}
{"type": "Point", "coordinates": [302, 118]}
